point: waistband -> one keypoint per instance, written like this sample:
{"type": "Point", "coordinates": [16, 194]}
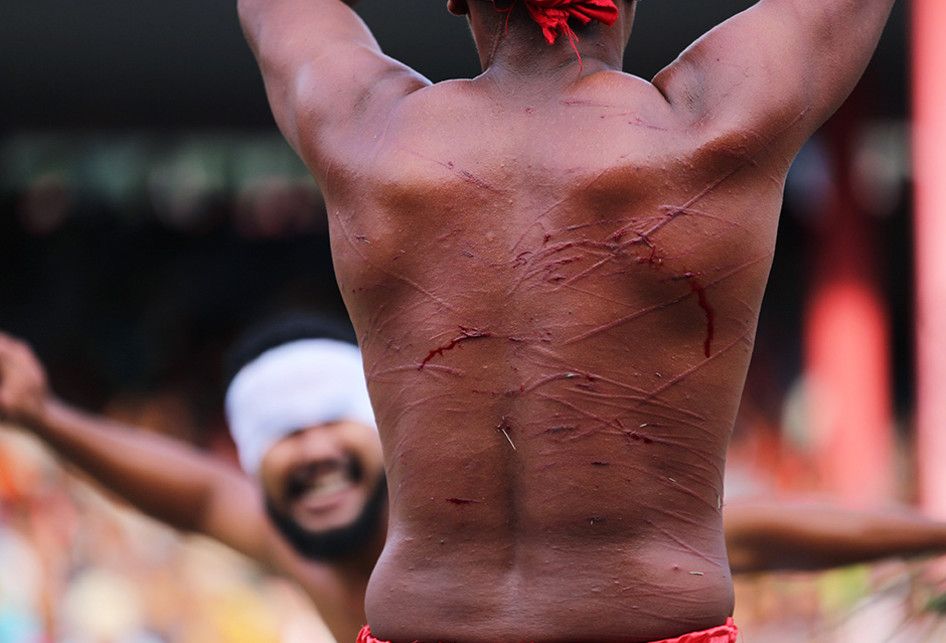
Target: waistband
{"type": "Point", "coordinates": [727, 633]}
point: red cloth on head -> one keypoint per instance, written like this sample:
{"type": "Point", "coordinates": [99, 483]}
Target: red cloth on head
{"type": "Point", "coordinates": [553, 15]}
{"type": "Point", "coordinates": [727, 633]}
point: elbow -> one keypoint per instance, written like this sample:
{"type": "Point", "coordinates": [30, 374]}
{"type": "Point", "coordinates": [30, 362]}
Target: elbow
{"type": "Point", "coordinates": [244, 8]}
{"type": "Point", "coordinates": [247, 13]}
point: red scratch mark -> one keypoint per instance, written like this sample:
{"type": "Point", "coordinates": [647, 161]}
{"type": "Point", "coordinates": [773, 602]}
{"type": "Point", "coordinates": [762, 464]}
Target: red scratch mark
{"type": "Point", "coordinates": [463, 501]}
{"type": "Point", "coordinates": [449, 233]}
{"type": "Point", "coordinates": [744, 161]}
{"type": "Point", "coordinates": [700, 291]}
{"type": "Point", "coordinates": [654, 259]}
{"type": "Point", "coordinates": [433, 296]}
{"type": "Point", "coordinates": [560, 262]}
{"type": "Point", "coordinates": [466, 175]}
{"type": "Point", "coordinates": [624, 320]}
{"type": "Point", "coordinates": [636, 120]}
{"type": "Point", "coordinates": [637, 437]}
{"type": "Point", "coordinates": [584, 103]}
{"type": "Point", "coordinates": [466, 334]}
{"type": "Point", "coordinates": [659, 306]}
{"type": "Point", "coordinates": [469, 177]}
{"type": "Point", "coordinates": [639, 122]}
{"type": "Point", "coordinates": [676, 379]}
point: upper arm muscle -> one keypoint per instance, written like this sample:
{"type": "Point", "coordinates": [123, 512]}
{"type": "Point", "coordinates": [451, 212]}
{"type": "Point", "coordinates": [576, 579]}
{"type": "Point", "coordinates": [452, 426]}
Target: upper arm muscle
{"type": "Point", "coordinates": [780, 67]}
{"type": "Point", "coordinates": [319, 62]}
{"type": "Point", "coordinates": [234, 515]}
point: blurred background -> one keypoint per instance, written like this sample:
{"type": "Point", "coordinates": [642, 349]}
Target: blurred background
{"type": "Point", "coordinates": [150, 211]}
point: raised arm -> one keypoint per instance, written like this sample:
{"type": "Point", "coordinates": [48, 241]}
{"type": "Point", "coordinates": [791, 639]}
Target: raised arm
{"type": "Point", "coordinates": [778, 69]}
{"type": "Point", "coordinates": [771, 535]}
{"type": "Point", "coordinates": [162, 477]}
{"type": "Point", "coordinates": [325, 75]}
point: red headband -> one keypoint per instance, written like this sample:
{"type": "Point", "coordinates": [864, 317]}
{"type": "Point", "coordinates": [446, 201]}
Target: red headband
{"type": "Point", "coordinates": [553, 15]}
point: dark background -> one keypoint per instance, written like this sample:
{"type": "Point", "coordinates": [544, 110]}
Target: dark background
{"type": "Point", "coordinates": [149, 211]}
{"type": "Point", "coordinates": [183, 64]}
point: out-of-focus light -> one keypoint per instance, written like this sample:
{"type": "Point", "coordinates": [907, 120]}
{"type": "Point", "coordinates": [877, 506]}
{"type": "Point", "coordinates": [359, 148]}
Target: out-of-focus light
{"type": "Point", "coordinates": [929, 144]}
{"type": "Point", "coordinates": [45, 204]}
{"type": "Point", "coordinates": [809, 183]}
{"type": "Point", "coordinates": [881, 167]}
{"type": "Point", "coordinates": [277, 207]}
{"type": "Point", "coordinates": [848, 390]}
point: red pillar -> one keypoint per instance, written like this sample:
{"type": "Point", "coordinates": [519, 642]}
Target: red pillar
{"type": "Point", "coordinates": [847, 340]}
{"type": "Point", "coordinates": [929, 144]}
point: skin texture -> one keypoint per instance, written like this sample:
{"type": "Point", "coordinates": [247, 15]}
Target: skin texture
{"type": "Point", "coordinates": [191, 491]}
{"type": "Point", "coordinates": [555, 272]}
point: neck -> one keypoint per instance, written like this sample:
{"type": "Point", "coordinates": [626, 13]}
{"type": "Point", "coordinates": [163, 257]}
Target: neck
{"type": "Point", "coordinates": [513, 44]}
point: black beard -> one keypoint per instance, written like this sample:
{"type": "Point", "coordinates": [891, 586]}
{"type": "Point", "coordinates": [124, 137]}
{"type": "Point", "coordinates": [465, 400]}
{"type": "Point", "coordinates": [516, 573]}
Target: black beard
{"type": "Point", "coordinates": [339, 543]}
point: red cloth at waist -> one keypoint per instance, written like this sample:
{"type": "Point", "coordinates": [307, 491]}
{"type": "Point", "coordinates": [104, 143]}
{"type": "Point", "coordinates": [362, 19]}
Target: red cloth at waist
{"type": "Point", "coordinates": [723, 634]}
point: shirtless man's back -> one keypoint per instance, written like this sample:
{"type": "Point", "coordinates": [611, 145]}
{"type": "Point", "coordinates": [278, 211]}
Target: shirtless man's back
{"type": "Point", "coordinates": [555, 271]}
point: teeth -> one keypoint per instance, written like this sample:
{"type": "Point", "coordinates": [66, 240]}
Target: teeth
{"type": "Point", "coordinates": [326, 485]}
{"type": "Point", "coordinates": [330, 479]}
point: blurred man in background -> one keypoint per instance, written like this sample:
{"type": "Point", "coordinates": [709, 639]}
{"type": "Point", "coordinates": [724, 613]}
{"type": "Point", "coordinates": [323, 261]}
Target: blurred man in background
{"type": "Point", "coordinates": [312, 503]}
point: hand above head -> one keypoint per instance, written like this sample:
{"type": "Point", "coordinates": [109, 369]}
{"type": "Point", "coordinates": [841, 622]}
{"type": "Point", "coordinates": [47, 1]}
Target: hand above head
{"type": "Point", "coordinates": [24, 391]}
{"type": "Point", "coordinates": [165, 478]}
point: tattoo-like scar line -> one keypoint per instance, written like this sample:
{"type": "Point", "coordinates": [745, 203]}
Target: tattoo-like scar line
{"type": "Point", "coordinates": [409, 282]}
{"type": "Point", "coordinates": [659, 306]}
{"type": "Point", "coordinates": [676, 379]}
{"type": "Point", "coordinates": [466, 175]}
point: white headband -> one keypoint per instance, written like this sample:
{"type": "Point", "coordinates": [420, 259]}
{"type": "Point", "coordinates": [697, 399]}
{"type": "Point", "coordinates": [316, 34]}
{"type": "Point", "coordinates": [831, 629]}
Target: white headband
{"type": "Point", "coordinates": [291, 387]}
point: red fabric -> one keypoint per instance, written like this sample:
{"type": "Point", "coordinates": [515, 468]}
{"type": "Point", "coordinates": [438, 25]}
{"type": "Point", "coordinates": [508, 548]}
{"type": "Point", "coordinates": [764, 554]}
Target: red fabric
{"type": "Point", "coordinates": [553, 15]}
{"type": "Point", "coordinates": [723, 634]}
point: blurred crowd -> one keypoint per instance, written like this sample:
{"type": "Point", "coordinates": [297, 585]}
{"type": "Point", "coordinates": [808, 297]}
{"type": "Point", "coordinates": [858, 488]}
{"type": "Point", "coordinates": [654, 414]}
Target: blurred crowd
{"type": "Point", "coordinates": [136, 276]}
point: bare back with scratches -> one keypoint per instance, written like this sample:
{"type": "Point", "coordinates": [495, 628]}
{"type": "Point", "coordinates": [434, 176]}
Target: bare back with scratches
{"type": "Point", "coordinates": [556, 282]}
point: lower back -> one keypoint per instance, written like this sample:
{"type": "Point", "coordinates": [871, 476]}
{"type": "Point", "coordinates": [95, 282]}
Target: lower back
{"type": "Point", "coordinates": [561, 591]}
{"type": "Point", "coordinates": [551, 483]}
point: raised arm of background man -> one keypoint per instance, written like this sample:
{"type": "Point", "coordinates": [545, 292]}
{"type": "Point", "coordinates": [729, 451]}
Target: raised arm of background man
{"type": "Point", "coordinates": [325, 75]}
{"type": "Point", "coordinates": [763, 81]}
{"type": "Point", "coordinates": [175, 483]}
{"type": "Point", "coordinates": [765, 535]}
{"type": "Point", "coordinates": [164, 478]}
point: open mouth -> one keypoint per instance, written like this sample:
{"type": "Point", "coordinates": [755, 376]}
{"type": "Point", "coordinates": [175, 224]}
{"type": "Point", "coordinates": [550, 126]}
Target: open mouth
{"type": "Point", "coordinates": [317, 487]}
